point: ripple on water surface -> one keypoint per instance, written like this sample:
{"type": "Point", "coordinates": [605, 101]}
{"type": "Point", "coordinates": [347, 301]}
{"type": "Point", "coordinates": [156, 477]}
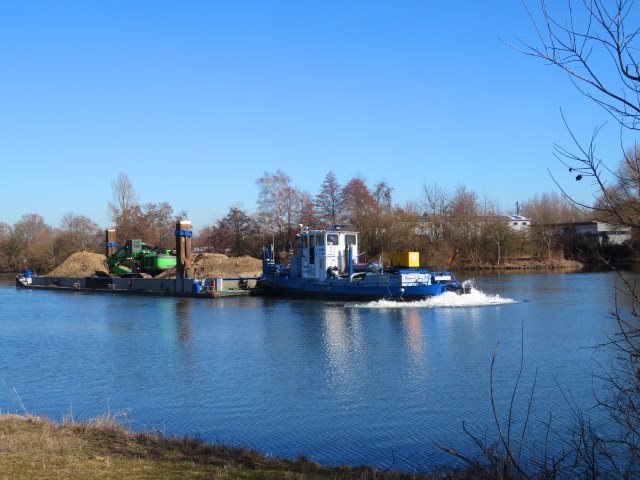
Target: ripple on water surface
{"type": "Point", "coordinates": [341, 382]}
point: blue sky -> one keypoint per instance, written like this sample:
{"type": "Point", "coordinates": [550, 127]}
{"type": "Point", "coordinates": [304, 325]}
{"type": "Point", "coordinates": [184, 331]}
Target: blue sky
{"type": "Point", "coordinates": [196, 100]}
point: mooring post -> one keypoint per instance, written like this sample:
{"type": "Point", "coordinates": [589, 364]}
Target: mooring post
{"type": "Point", "coordinates": [110, 243]}
{"type": "Point", "coordinates": [183, 252]}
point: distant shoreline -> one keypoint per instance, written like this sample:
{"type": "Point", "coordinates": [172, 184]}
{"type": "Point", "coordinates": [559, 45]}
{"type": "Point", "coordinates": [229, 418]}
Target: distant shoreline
{"type": "Point", "coordinates": [530, 264]}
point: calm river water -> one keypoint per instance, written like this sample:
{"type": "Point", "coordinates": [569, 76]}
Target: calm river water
{"type": "Point", "coordinates": [342, 383]}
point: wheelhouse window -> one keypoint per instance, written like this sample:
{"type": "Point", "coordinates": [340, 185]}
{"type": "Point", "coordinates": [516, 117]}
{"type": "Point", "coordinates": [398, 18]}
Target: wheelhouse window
{"type": "Point", "coordinates": [319, 240]}
{"type": "Point", "coordinates": [305, 241]}
{"type": "Point", "coordinates": [350, 239]}
{"type": "Point", "coordinates": [332, 239]}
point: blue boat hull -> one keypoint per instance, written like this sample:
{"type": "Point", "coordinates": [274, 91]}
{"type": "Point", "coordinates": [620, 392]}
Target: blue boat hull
{"type": "Point", "coordinates": [379, 287]}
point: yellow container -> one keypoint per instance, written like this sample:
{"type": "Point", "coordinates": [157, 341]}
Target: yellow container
{"type": "Point", "coordinates": [405, 259]}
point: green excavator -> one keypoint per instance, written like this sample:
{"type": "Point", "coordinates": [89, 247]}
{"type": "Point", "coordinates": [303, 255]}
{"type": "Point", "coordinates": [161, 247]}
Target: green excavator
{"type": "Point", "coordinates": [136, 258]}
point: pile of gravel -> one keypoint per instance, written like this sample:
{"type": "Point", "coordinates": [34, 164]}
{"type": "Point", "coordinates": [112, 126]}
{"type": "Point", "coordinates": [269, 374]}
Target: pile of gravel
{"type": "Point", "coordinates": [82, 264]}
{"type": "Point", "coordinates": [217, 265]}
{"type": "Point", "coordinates": [209, 265]}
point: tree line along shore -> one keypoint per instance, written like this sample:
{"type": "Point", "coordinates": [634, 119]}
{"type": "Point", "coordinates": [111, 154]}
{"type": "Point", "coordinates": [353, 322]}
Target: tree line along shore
{"type": "Point", "coordinates": [437, 225]}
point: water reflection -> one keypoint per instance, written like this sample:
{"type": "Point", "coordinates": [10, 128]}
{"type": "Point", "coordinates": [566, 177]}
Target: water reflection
{"type": "Point", "coordinates": [415, 338]}
{"type": "Point", "coordinates": [343, 343]}
{"type": "Point", "coordinates": [183, 320]}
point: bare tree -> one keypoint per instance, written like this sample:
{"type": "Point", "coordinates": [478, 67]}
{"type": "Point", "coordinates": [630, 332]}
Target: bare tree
{"type": "Point", "coordinates": [330, 201]}
{"type": "Point", "coordinates": [123, 192]}
{"type": "Point", "coordinates": [596, 43]}
{"type": "Point", "coordinates": [463, 223]}
{"type": "Point", "coordinates": [405, 231]}
{"type": "Point", "coordinates": [30, 243]}
{"type": "Point", "coordinates": [231, 232]}
{"type": "Point", "coordinates": [545, 211]}
{"type": "Point", "coordinates": [279, 201]}
{"type": "Point", "coordinates": [308, 211]}
{"type": "Point", "coordinates": [597, 46]}
{"type": "Point", "coordinates": [618, 202]}
{"type": "Point", "coordinates": [495, 231]}
{"type": "Point", "coordinates": [382, 194]}
{"type": "Point", "coordinates": [5, 237]}
{"type": "Point", "coordinates": [435, 202]}
{"type": "Point", "coordinates": [361, 210]}
{"type": "Point", "coordinates": [157, 223]}
{"type": "Point", "coordinates": [79, 233]}
{"type": "Point", "coordinates": [358, 200]}
{"type": "Point", "coordinates": [125, 210]}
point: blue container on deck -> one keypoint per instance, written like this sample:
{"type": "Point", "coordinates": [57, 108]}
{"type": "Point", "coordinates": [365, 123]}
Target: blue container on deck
{"type": "Point", "coordinates": [28, 273]}
{"type": "Point", "coordinates": [196, 287]}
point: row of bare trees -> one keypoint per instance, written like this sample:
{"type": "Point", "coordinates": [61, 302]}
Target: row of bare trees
{"type": "Point", "coordinates": [31, 243]}
{"type": "Point", "coordinates": [439, 223]}
{"type": "Point", "coordinates": [436, 225]}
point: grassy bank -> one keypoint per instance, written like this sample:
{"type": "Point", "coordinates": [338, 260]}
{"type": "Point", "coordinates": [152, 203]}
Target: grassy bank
{"type": "Point", "coordinates": [33, 447]}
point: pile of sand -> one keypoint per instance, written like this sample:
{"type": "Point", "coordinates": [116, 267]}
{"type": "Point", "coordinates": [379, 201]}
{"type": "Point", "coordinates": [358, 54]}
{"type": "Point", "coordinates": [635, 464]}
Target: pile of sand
{"type": "Point", "coordinates": [209, 265]}
{"type": "Point", "coordinates": [217, 265]}
{"type": "Point", "coordinates": [82, 264]}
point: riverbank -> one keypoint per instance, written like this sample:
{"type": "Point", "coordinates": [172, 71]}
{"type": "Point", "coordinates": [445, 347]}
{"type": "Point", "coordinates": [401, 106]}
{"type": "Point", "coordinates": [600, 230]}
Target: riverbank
{"type": "Point", "coordinates": [35, 447]}
{"type": "Point", "coordinates": [535, 264]}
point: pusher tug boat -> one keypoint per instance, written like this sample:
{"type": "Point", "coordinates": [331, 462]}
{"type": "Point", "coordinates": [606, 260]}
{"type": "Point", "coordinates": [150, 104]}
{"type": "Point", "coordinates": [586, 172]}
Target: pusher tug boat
{"type": "Point", "coordinates": [324, 265]}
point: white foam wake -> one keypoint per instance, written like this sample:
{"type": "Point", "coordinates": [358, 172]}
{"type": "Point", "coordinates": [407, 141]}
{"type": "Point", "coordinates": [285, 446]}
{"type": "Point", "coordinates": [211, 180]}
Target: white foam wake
{"type": "Point", "coordinates": [475, 298]}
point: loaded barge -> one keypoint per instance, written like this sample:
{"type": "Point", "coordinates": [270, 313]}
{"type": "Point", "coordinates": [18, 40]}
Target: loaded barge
{"type": "Point", "coordinates": [185, 283]}
{"type": "Point", "coordinates": [175, 287]}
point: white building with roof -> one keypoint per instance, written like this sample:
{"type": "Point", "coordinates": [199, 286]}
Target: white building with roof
{"type": "Point", "coordinates": [517, 222]}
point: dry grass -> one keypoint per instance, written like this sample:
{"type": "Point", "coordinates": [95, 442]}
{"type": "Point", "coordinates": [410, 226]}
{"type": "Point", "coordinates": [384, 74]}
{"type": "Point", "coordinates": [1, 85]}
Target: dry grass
{"type": "Point", "coordinates": [33, 447]}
